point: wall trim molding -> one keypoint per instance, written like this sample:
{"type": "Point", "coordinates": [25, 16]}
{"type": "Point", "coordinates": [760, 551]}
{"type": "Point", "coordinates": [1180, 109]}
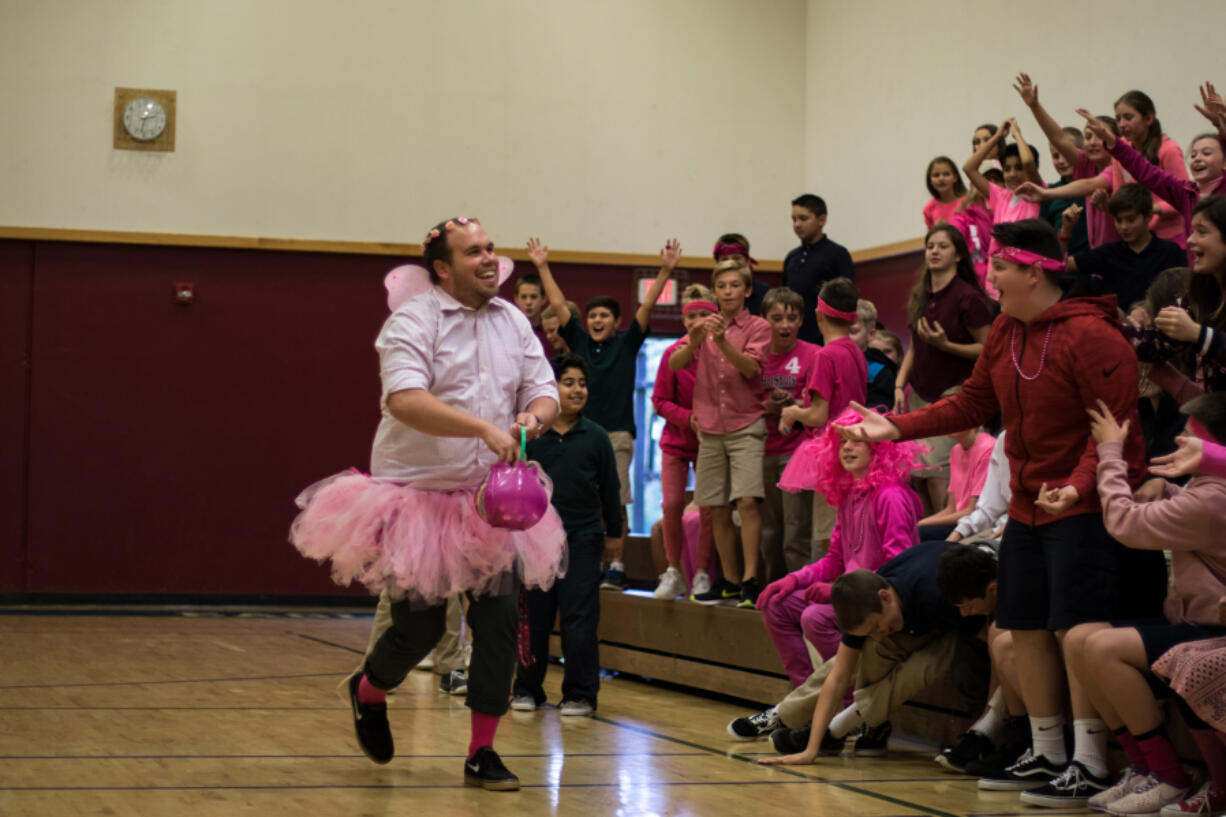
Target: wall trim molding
{"type": "Point", "coordinates": [390, 248]}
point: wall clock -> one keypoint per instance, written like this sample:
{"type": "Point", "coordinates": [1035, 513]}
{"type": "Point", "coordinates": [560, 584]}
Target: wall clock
{"type": "Point", "coordinates": [144, 119]}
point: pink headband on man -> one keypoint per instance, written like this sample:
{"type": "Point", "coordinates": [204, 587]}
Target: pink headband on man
{"type": "Point", "coordinates": [732, 249]}
{"type": "Point", "coordinates": [1026, 258]}
{"type": "Point", "coordinates": [1199, 430]}
{"type": "Point", "coordinates": [694, 306]}
{"type": "Point", "coordinates": [830, 311]}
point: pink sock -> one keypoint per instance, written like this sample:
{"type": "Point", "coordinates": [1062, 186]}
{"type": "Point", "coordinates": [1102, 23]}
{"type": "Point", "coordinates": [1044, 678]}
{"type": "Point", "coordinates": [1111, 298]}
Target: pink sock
{"type": "Point", "coordinates": [369, 693]}
{"type": "Point", "coordinates": [483, 728]}
{"type": "Point", "coordinates": [1131, 748]}
{"type": "Point", "coordinates": [1214, 753]}
{"type": "Point", "coordinates": [1161, 757]}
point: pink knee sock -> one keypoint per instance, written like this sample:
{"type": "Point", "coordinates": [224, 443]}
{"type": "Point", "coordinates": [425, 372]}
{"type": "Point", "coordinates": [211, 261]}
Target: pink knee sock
{"type": "Point", "coordinates": [483, 729]}
{"type": "Point", "coordinates": [369, 693]}
{"type": "Point", "coordinates": [1214, 753]}
{"type": "Point", "coordinates": [1131, 748]}
{"type": "Point", "coordinates": [1161, 757]}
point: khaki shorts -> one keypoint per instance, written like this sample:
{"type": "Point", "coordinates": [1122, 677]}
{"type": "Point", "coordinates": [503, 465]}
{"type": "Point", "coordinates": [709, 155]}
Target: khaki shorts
{"type": "Point", "coordinates": [730, 465]}
{"type": "Point", "coordinates": [936, 461]}
{"type": "Point", "coordinates": [824, 517]}
{"type": "Point", "coordinates": [623, 449]}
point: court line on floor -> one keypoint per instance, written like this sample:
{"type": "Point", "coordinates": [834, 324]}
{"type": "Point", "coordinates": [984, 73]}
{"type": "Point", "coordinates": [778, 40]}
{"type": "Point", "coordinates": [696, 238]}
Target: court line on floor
{"type": "Point", "coordinates": [328, 643]}
{"type": "Point", "coordinates": [336, 708]}
{"type": "Point", "coordinates": [332, 674]}
{"type": "Point", "coordinates": [342, 757]}
{"type": "Point", "coordinates": [361, 786]}
{"type": "Point", "coordinates": [789, 771]}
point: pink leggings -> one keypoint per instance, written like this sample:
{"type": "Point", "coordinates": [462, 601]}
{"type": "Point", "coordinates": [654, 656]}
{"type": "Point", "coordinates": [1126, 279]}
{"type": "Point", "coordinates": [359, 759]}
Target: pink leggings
{"type": "Point", "coordinates": [789, 621]}
{"type": "Point", "coordinates": [673, 473]}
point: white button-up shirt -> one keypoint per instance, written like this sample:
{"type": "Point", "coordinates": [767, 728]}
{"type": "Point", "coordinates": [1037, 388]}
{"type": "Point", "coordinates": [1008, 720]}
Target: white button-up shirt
{"type": "Point", "coordinates": [486, 362]}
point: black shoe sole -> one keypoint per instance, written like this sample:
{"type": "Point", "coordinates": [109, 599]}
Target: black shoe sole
{"type": "Point", "coordinates": [511, 784]}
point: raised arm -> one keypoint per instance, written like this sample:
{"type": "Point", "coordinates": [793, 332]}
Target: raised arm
{"type": "Point", "coordinates": [1025, 154]}
{"type": "Point", "coordinates": [539, 254]}
{"type": "Point", "coordinates": [1061, 141]}
{"type": "Point", "coordinates": [1213, 108]}
{"type": "Point", "coordinates": [971, 167]}
{"type": "Point", "coordinates": [669, 256]}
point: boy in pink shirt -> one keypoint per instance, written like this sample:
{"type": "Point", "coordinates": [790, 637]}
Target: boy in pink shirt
{"type": "Point", "coordinates": [968, 470]}
{"type": "Point", "coordinates": [787, 518]}
{"type": "Point", "coordinates": [729, 348]}
{"type": "Point", "coordinates": [840, 376]}
{"type": "Point", "coordinates": [1019, 164]}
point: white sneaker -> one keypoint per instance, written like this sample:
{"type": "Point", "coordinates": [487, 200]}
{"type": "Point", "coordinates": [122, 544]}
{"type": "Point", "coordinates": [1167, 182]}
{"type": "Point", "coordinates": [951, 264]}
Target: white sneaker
{"type": "Point", "coordinates": [1205, 803]}
{"type": "Point", "coordinates": [1148, 798]}
{"type": "Point", "coordinates": [575, 708]}
{"type": "Point", "coordinates": [1127, 784]}
{"type": "Point", "coordinates": [523, 703]}
{"type": "Point", "coordinates": [672, 584]}
{"type": "Point", "coordinates": [701, 583]}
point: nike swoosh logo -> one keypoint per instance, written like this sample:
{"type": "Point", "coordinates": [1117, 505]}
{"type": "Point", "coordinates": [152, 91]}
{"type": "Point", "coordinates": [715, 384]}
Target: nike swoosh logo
{"type": "Point", "coordinates": [1047, 728]}
{"type": "Point", "coordinates": [1111, 371]}
{"type": "Point", "coordinates": [473, 767]}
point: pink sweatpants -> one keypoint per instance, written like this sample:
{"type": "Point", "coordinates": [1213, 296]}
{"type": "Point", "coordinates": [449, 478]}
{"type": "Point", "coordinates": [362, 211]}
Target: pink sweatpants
{"type": "Point", "coordinates": [673, 474]}
{"type": "Point", "coordinates": [789, 621]}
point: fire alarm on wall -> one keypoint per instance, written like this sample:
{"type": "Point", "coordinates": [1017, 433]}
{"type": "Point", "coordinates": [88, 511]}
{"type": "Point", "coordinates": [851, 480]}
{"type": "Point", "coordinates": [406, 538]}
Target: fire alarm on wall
{"type": "Point", "coordinates": [185, 292]}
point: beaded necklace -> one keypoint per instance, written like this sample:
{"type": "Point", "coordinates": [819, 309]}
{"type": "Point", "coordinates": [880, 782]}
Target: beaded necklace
{"type": "Point", "coordinates": [1042, 355]}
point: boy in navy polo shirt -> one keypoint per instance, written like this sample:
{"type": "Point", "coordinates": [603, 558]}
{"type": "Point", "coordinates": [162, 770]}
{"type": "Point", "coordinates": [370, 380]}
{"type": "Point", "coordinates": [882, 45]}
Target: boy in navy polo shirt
{"type": "Point", "coordinates": [1125, 268]}
{"type": "Point", "coordinates": [577, 456]}
{"type": "Point", "coordinates": [610, 356]}
{"type": "Point", "coordinates": [816, 261]}
{"type": "Point", "coordinates": [917, 633]}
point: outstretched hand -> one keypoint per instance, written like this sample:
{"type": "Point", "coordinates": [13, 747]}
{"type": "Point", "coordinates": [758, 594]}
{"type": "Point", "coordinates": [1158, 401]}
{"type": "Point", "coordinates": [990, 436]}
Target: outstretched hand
{"type": "Point", "coordinates": [538, 253]}
{"type": "Point", "coordinates": [1027, 90]}
{"type": "Point", "coordinates": [1185, 459]}
{"type": "Point", "coordinates": [671, 254]}
{"type": "Point", "coordinates": [1212, 106]}
{"type": "Point", "coordinates": [1031, 192]}
{"type": "Point", "coordinates": [1070, 217]}
{"type": "Point", "coordinates": [1104, 426]}
{"type": "Point", "coordinates": [872, 428]}
{"type": "Point", "coordinates": [1057, 500]}
{"type": "Point", "coordinates": [800, 759]}
{"type": "Point", "coordinates": [1099, 200]}
{"type": "Point", "coordinates": [1096, 127]}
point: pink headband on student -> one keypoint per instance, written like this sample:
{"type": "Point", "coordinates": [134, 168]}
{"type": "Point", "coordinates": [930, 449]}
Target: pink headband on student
{"type": "Point", "coordinates": [1199, 430]}
{"type": "Point", "coordinates": [733, 249]}
{"type": "Point", "coordinates": [1026, 258]}
{"type": "Point", "coordinates": [694, 306]}
{"type": "Point", "coordinates": [830, 311]}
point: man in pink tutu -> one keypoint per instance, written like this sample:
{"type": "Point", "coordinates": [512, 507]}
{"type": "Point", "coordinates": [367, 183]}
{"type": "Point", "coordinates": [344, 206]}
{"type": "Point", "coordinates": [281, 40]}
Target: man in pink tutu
{"type": "Point", "coordinates": [459, 368]}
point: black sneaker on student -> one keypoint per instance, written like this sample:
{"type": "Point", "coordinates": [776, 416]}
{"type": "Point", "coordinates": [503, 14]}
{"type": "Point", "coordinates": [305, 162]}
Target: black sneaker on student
{"type": "Point", "coordinates": [971, 747]}
{"type": "Point", "coordinates": [994, 765]}
{"type": "Point", "coordinates": [1029, 772]}
{"type": "Point", "coordinates": [873, 740]}
{"type": "Point", "coordinates": [454, 682]}
{"type": "Point", "coordinates": [793, 741]}
{"type": "Point", "coordinates": [1071, 790]}
{"type": "Point", "coordinates": [724, 591]}
{"type": "Point", "coordinates": [370, 725]}
{"type": "Point", "coordinates": [485, 769]}
{"type": "Point", "coordinates": [755, 726]}
{"type": "Point", "coordinates": [613, 579]}
{"type": "Point", "coordinates": [750, 590]}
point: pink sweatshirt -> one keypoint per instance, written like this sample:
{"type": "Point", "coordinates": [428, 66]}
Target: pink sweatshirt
{"type": "Point", "coordinates": [1186, 522]}
{"type": "Point", "coordinates": [1168, 224]}
{"type": "Point", "coordinates": [1181, 193]}
{"type": "Point", "coordinates": [872, 528]}
{"type": "Point", "coordinates": [1100, 227]}
{"type": "Point", "coordinates": [935, 211]}
{"type": "Point", "coordinates": [673, 399]}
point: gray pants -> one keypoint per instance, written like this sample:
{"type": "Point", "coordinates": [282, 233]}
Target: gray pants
{"type": "Point", "coordinates": [787, 522]}
{"type": "Point", "coordinates": [414, 632]}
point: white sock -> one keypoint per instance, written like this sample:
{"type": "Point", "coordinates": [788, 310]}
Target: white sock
{"type": "Point", "coordinates": [990, 724]}
{"type": "Point", "coordinates": [1047, 734]}
{"type": "Point", "coordinates": [1090, 744]}
{"type": "Point", "coordinates": [842, 724]}
{"type": "Point", "coordinates": [617, 566]}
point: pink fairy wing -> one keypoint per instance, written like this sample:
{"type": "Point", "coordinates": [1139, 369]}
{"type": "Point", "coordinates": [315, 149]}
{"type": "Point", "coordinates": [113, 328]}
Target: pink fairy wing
{"type": "Point", "coordinates": [405, 282]}
{"type": "Point", "coordinates": [505, 267]}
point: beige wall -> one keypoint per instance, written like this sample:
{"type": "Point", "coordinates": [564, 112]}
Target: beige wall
{"type": "Point", "coordinates": [894, 83]}
{"type": "Point", "coordinates": [599, 126]}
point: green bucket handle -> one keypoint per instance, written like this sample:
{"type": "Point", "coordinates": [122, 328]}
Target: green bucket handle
{"type": "Point", "coordinates": [523, 443]}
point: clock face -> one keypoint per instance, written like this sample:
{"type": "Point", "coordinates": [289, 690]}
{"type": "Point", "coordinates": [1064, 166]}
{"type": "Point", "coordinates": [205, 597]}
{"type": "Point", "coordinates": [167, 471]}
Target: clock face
{"type": "Point", "coordinates": [144, 119]}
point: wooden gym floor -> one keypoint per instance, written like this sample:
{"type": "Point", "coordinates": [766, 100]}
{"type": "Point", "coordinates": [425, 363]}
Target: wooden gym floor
{"type": "Point", "coordinates": [212, 713]}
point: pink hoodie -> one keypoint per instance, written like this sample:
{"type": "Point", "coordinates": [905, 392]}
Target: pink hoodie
{"type": "Point", "coordinates": [1186, 522]}
{"type": "Point", "coordinates": [673, 398]}
{"type": "Point", "coordinates": [873, 527]}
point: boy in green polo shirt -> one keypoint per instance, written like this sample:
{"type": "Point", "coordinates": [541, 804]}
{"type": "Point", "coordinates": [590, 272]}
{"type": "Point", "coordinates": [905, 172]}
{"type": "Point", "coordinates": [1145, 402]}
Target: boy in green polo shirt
{"type": "Point", "coordinates": [578, 457]}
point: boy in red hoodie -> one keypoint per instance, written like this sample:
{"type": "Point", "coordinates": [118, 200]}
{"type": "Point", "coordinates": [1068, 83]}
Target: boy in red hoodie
{"type": "Point", "coordinates": [1046, 361]}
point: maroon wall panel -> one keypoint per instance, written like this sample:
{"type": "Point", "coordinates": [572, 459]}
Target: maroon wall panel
{"type": "Point", "coordinates": [16, 273]}
{"type": "Point", "coordinates": [887, 283]}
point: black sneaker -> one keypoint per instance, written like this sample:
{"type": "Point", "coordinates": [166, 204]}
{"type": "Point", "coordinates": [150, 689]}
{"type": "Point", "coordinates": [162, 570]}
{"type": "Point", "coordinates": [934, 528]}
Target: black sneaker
{"type": "Point", "coordinates": [724, 591]}
{"type": "Point", "coordinates": [613, 579]}
{"type": "Point", "coordinates": [873, 740]}
{"type": "Point", "coordinates": [973, 746]}
{"type": "Point", "coordinates": [454, 682]}
{"type": "Point", "coordinates": [794, 741]}
{"type": "Point", "coordinates": [485, 769]}
{"type": "Point", "coordinates": [1030, 772]}
{"type": "Point", "coordinates": [1072, 789]}
{"type": "Point", "coordinates": [370, 726]}
{"type": "Point", "coordinates": [750, 589]}
{"type": "Point", "coordinates": [994, 765]}
{"type": "Point", "coordinates": [755, 726]}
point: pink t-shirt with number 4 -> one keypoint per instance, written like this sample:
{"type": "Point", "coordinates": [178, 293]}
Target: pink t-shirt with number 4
{"type": "Point", "coordinates": [840, 376]}
{"type": "Point", "coordinates": [789, 371]}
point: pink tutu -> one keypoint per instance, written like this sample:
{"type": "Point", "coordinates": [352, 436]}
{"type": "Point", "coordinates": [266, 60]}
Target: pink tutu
{"type": "Point", "coordinates": [425, 544]}
{"type": "Point", "coordinates": [800, 474]}
{"type": "Point", "coordinates": [1197, 671]}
